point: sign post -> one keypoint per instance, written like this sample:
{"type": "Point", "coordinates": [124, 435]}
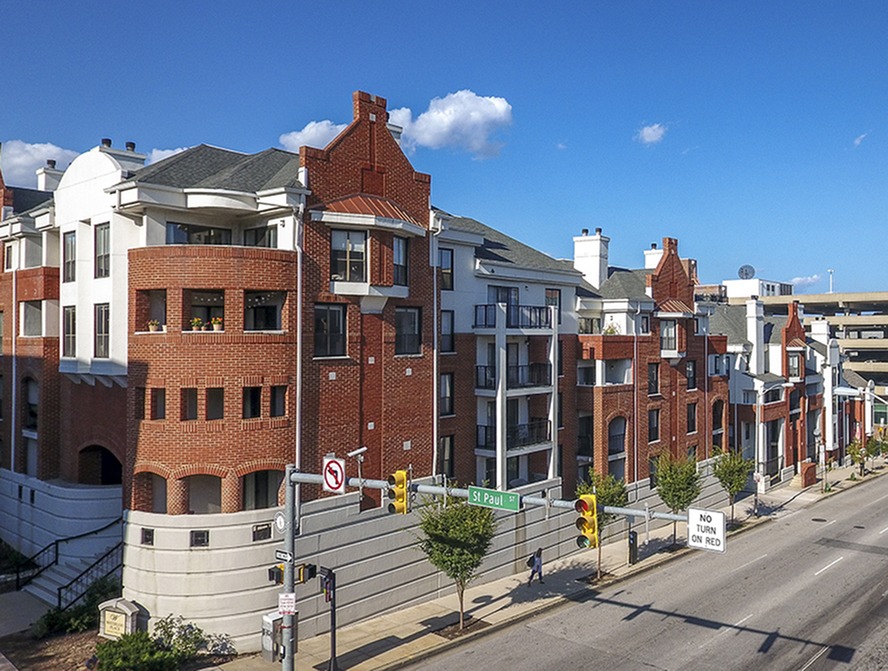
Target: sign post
{"type": "Point", "coordinates": [706, 530]}
{"type": "Point", "coordinates": [494, 498]}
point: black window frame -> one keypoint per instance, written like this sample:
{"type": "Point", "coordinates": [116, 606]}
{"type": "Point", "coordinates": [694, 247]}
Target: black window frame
{"type": "Point", "coordinates": [400, 254]}
{"type": "Point", "coordinates": [251, 407]}
{"type": "Point", "coordinates": [448, 340]}
{"type": "Point", "coordinates": [446, 395]}
{"type": "Point", "coordinates": [653, 379]}
{"type": "Point", "coordinates": [653, 425]}
{"type": "Point", "coordinates": [327, 342]}
{"type": "Point", "coordinates": [445, 253]}
{"type": "Point", "coordinates": [691, 373]}
{"type": "Point", "coordinates": [408, 342]}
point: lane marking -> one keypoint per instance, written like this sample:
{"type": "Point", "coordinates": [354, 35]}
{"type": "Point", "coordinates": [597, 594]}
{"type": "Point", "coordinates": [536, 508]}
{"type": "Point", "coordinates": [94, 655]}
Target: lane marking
{"type": "Point", "coordinates": [725, 630]}
{"type": "Point", "coordinates": [883, 531]}
{"type": "Point", "coordinates": [749, 562]}
{"type": "Point", "coordinates": [829, 565]}
{"type": "Point", "coordinates": [815, 657]}
{"type": "Point", "coordinates": [832, 522]}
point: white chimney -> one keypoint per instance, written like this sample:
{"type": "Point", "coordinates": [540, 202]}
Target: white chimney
{"type": "Point", "coordinates": [652, 257]}
{"type": "Point", "coordinates": [755, 333]}
{"type": "Point", "coordinates": [48, 177]}
{"type": "Point", "coordinates": [590, 256]}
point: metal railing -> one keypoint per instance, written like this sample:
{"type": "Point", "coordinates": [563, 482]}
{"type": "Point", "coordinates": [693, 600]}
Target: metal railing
{"type": "Point", "coordinates": [517, 377]}
{"type": "Point", "coordinates": [520, 435]}
{"type": "Point", "coordinates": [48, 556]}
{"type": "Point", "coordinates": [73, 591]}
{"type": "Point", "coordinates": [517, 316]}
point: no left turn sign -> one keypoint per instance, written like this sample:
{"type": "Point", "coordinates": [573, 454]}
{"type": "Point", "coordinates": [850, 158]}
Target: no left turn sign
{"type": "Point", "coordinates": [334, 475]}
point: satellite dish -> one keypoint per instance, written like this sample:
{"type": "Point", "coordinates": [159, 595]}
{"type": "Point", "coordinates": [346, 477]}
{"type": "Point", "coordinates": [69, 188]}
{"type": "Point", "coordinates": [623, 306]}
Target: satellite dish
{"type": "Point", "coordinates": [746, 272]}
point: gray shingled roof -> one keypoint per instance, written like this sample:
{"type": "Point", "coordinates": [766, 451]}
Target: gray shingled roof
{"type": "Point", "coordinates": [24, 200]}
{"type": "Point", "coordinates": [500, 248]}
{"type": "Point", "coordinates": [625, 283]}
{"type": "Point", "coordinates": [215, 168]}
{"type": "Point", "coordinates": [730, 320]}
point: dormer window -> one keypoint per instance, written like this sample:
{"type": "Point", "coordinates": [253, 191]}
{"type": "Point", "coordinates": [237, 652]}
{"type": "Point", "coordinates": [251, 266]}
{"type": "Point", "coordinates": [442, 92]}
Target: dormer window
{"type": "Point", "coordinates": [348, 256]}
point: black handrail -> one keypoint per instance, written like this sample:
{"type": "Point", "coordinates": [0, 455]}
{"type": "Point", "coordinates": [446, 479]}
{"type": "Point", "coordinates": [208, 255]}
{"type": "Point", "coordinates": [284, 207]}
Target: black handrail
{"type": "Point", "coordinates": [30, 562]}
{"type": "Point", "coordinates": [116, 554]}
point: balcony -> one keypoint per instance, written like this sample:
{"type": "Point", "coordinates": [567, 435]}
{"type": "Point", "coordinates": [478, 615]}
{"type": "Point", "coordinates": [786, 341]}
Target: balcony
{"type": "Point", "coordinates": [521, 435]}
{"type": "Point", "coordinates": [517, 317]}
{"type": "Point", "coordinates": [517, 377]}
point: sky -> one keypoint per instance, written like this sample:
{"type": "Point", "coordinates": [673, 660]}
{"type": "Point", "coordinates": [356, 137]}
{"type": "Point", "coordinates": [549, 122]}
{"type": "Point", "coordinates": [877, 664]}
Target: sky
{"type": "Point", "coordinates": [750, 131]}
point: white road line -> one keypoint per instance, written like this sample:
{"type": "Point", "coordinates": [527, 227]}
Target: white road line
{"type": "Point", "coordinates": [830, 522]}
{"type": "Point", "coordinates": [829, 565]}
{"type": "Point", "coordinates": [749, 562]}
{"type": "Point", "coordinates": [815, 657]}
{"type": "Point", "coordinates": [883, 531]}
{"type": "Point", "coordinates": [725, 630]}
{"type": "Point", "coordinates": [879, 499]}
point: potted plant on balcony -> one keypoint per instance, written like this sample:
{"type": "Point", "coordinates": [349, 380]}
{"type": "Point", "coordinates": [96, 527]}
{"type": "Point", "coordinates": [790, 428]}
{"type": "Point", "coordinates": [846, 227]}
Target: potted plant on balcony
{"type": "Point", "coordinates": [217, 323]}
{"type": "Point", "coordinates": [196, 323]}
{"type": "Point", "coordinates": [153, 325]}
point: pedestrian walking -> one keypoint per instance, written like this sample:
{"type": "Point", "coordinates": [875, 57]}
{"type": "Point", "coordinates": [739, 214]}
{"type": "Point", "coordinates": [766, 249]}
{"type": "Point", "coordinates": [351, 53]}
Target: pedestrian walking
{"type": "Point", "coordinates": [536, 568]}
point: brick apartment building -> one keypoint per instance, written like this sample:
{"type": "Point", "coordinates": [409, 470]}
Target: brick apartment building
{"type": "Point", "coordinates": [175, 334]}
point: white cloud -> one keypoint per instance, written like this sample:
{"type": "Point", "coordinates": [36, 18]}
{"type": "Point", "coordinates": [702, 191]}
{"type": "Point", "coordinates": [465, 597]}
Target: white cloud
{"type": "Point", "coordinates": [651, 134]}
{"type": "Point", "coordinates": [859, 139]}
{"type": "Point", "coordinates": [19, 160]}
{"type": "Point", "coordinates": [156, 155]}
{"type": "Point", "coordinates": [315, 134]}
{"type": "Point", "coordinates": [561, 145]}
{"type": "Point", "coordinates": [462, 120]}
{"type": "Point", "coordinates": [804, 282]}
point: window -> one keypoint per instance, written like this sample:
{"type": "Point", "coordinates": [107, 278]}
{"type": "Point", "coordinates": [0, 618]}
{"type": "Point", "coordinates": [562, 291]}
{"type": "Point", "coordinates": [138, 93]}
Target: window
{"type": "Point", "coordinates": [69, 256]}
{"type": "Point", "coordinates": [329, 330]}
{"type": "Point", "coordinates": [252, 402]}
{"type": "Point", "coordinates": [32, 322]}
{"type": "Point", "coordinates": [140, 402]}
{"type": "Point", "coordinates": [408, 331]}
{"type": "Point", "coordinates": [653, 379]}
{"type": "Point", "coordinates": [653, 425]}
{"type": "Point", "coordinates": [264, 236]}
{"type": "Point", "coordinates": [448, 343]}
{"type": "Point", "coordinates": [667, 335]}
{"type": "Point", "coordinates": [794, 365]}
{"type": "Point", "coordinates": [9, 255]}
{"type": "Point", "coordinates": [199, 538]}
{"type": "Point", "coordinates": [103, 250]}
{"type": "Point", "coordinates": [553, 299]}
{"type": "Point", "coordinates": [102, 321]}
{"type": "Point", "coordinates": [446, 394]}
{"type": "Point", "coordinates": [692, 417]}
{"type": "Point", "coordinates": [652, 471]}
{"type": "Point", "coordinates": [215, 403]}
{"type": "Point", "coordinates": [158, 403]}
{"type": "Point", "coordinates": [189, 404]}
{"type": "Point", "coordinates": [446, 451]}
{"type": "Point", "coordinates": [262, 310]}
{"type": "Point", "coordinates": [399, 255]}
{"type": "Point", "coordinates": [692, 453]}
{"type": "Point", "coordinates": [691, 373]}
{"type": "Point", "coordinates": [260, 489]}
{"type": "Point", "coordinates": [191, 234]}
{"type": "Point", "coordinates": [147, 536]}
{"type": "Point", "coordinates": [69, 330]}
{"type": "Point", "coordinates": [348, 256]}
{"type": "Point", "coordinates": [445, 261]}
{"type": "Point", "coordinates": [278, 401]}
{"type": "Point", "coordinates": [32, 403]}
{"type": "Point", "coordinates": [645, 324]}
{"type": "Point", "coordinates": [206, 304]}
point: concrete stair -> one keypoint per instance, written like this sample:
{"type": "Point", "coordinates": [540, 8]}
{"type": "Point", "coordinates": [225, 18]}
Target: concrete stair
{"type": "Point", "coordinates": [45, 586]}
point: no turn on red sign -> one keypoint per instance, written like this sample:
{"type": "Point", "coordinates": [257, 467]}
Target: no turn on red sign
{"type": "Point", "coordinates": [706, 530]}
{"type": "Point", "coordinates": [334, 475]}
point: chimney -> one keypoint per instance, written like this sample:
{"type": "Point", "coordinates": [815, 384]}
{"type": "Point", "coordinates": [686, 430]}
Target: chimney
{"type": "Point", "coordinates": [652, 257]}
{"type": "Point", "coordinates": [755, 333]}
{"type": "Point", "coordinates": [131, 146]}
{"type": "Point", "coordinates": [590, 256]}
{"type": "Point", "coordinates": [106, 141]}
{"type": "Point", "coordinates": [48, 177]}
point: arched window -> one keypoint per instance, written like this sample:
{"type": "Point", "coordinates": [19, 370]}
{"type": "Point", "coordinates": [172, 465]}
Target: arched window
{"type": "Point", "coordinates": [204, 494]}
{"type": "Point", "coordinates": [260, 489]}
{"type": "Point", "coordinates": [98, 466]}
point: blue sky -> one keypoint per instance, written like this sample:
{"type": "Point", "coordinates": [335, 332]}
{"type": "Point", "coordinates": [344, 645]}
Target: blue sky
{"type": "Point", "coordinates": [751, 131]}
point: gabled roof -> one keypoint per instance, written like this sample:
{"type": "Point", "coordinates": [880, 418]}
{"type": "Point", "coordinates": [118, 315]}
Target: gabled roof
{"type": "Point", "coordinates": [625, 283]}
{"type": "Point", "coordinates": [209, 167]}
{"type": "Point", "coordinates": [500, 248]}
{"type": "Point", "coordinates": [817, 346]}
{"type": "Point", "coordinates": [730, 320]}
{"type": "Point", "coordinates": [24, 200]}
{"type": "Point", "coordinates": [854, 378]}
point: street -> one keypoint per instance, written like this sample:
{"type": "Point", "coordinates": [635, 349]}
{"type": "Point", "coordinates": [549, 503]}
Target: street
{"type": "Point", "coordinates": [805, 591]}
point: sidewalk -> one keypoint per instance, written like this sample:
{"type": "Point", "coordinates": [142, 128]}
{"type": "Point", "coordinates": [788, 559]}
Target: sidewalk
{"type": "Point", "coordinates": [407, 636]}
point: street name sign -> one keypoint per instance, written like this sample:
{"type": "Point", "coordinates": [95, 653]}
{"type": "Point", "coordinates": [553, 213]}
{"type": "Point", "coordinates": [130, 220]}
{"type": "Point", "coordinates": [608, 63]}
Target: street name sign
{"type": "Point", "coordinates": [493, 498]}
{"type": "Point", "coordinates": [706, 530]}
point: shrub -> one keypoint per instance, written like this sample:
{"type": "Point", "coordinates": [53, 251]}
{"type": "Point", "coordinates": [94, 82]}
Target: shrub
{"type": "Point", "coordinates": [135, 652]}
{"type": "Point", "coordinates": [81, 617]}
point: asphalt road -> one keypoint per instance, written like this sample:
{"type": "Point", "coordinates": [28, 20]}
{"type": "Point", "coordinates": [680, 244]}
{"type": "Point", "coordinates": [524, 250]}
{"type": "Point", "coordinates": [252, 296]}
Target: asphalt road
{"type": "Point", "coordinates": [806, 591]}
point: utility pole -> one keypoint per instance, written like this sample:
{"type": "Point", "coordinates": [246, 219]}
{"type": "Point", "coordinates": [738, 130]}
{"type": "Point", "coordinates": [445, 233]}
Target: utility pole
{"type": "Point", "coordinates": [288, 630]}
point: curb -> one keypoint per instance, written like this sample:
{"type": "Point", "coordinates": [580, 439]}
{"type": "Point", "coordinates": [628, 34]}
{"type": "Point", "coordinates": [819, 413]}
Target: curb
{"type": "Point", "coordinates": [656, 561]}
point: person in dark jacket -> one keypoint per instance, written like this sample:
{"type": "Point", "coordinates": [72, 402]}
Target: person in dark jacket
{"type": "Point", "coordinates": [537, 567]}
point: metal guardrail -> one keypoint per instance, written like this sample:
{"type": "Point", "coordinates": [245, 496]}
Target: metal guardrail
{"type": "Point", "coordinates": [74, 590]}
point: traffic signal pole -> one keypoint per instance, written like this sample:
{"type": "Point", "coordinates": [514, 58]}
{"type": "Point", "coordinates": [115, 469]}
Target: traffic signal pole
{"type": "Point", "coordinates": [288, 633]}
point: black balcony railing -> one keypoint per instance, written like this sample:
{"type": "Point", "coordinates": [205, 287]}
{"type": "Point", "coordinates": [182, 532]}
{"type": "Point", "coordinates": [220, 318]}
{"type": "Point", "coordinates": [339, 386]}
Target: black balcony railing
{"type": "Point", "coordinates": [517, 377]}
{"type": "Point", "coordinates": [520, 435]}
{"type": "Point", "coordinates": [517, 317]}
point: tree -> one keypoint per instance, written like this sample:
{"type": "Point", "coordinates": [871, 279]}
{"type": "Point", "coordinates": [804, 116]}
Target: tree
{"type": "Point", "coordinates": [678, 483]}
{"type": "Point", "coordinates": [732, 471]}
{"type": "Point", "coordinates": [858, 454]}
{"type": "Point", "coordinates": [608, 492]}
{"type": "Point", "coordinates": [455, 538]}
{"type": "Point", "coordinates": [873, 450]}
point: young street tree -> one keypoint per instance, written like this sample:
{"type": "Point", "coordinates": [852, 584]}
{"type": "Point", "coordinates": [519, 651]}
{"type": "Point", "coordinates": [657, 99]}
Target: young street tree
{"type": "Point", "coordinates": [456, 538]}
{"type": "Point", "coordinates": [732, 471]}
{"type": "Point", "coordinates": [857, 452]}
{"type": "Point", "coordinates": [678, 483]}
{"type": "Point", "coordinates": [608, 492]}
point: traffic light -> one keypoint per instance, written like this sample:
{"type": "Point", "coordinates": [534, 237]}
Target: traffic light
{"type": "Point", "coordinates": [276, 574]}
{"type": "Point", "coordinates": [305, 572]}
{"type": "Point", "coordinates": [587, 522]}
{"type": "Point", "coordinates": [398, 492]}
